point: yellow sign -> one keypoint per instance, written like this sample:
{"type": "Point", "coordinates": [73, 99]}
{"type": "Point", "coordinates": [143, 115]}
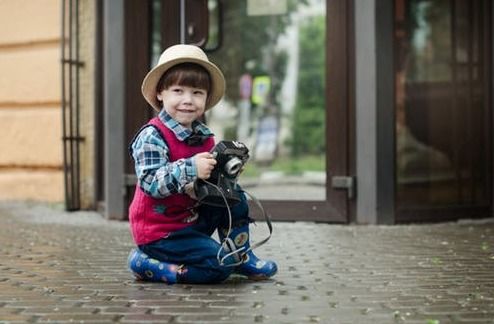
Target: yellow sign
{"type": "Point", "coordinates": [260, 89]}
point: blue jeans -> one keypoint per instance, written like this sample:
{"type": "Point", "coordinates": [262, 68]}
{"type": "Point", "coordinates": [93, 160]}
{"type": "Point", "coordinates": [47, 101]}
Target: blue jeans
{"type": "Point", "coordinates": [194, 247]}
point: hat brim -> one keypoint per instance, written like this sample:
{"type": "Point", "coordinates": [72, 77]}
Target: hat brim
{"type": "Point", "coordinates": [151, 80]}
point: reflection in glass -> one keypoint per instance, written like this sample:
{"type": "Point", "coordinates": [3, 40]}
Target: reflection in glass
{"type": "Point", "coordinates": [442, 116]}
{"type": "Point", "coordinates": [156, 47]}
{"type": "Point", "coordinates": [213, 42]}
{"type": "Point", "coordinates": [273, 56]}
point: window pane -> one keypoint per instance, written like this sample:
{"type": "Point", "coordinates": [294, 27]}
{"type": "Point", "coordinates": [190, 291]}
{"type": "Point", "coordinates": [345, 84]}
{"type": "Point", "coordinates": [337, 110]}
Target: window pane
{"type": "Point", "coordinates": [442, 113]}
{"type": "Point", "coordinates": [273, 57]}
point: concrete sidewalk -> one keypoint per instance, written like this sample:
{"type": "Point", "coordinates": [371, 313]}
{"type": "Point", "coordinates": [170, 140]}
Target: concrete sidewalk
{"type": "Point", "coordinates": [71, 267]}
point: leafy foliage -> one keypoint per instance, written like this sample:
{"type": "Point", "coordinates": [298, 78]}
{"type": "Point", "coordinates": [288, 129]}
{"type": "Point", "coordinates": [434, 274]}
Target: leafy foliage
{"type": "Point", "coordinates": [309, 116]}
{"type": "Point", "coordinates": [247, 45]}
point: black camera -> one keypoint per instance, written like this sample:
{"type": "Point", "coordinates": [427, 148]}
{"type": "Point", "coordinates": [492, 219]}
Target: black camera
{"type": "Point", "coordinates": [231, 156]}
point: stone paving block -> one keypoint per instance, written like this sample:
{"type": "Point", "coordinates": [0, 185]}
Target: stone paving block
{"type": "Point", "coordinates": [204, 319]}
{"type": "Point", "coordinates": [162, 303]}
{"type": "Point", "coordinates": [445, 318]}
{"type": "Point", "coordinates": [77, 318]}
{"type": "Point", "coordinates": [16, 318]}
{"type": "Point", "coordinates": [196, 311]}
{"type": "Point", "coordinates": [125, 310]}
{"type": "Point", "coordinates": [146, 318]}
{"type": "Point", "coordinates": [55, 309]}
{"type": "Point", "coordinates": [476, 316]}
{"type": "Point", "coordinates": [105, 303]}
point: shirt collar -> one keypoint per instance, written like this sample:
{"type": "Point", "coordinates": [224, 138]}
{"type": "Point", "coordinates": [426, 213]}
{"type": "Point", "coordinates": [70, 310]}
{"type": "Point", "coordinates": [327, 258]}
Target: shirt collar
{"type": "Point", "coordinates": [181, 132]}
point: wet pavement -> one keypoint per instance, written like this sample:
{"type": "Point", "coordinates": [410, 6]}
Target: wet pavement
{"type": "Point", "coordinates": [71, 267]}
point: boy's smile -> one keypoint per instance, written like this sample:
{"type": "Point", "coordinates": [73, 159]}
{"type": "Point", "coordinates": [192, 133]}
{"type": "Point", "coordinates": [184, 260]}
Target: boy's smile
{"type": "Point", "coordinates": [184, 104]}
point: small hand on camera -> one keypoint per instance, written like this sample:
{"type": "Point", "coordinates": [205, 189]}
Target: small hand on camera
{"type": "Point", "coordinates": [205, 163]}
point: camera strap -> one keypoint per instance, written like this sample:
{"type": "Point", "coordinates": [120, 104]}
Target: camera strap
{"type": "Point", "coordinates": [228, 245]}
{"type": "Point", "coordinates": [267, 218]}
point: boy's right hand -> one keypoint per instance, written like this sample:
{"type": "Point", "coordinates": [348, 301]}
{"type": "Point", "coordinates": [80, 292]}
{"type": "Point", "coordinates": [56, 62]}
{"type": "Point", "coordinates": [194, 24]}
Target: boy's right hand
{"type": "Point", "coordinates": [205, 163]}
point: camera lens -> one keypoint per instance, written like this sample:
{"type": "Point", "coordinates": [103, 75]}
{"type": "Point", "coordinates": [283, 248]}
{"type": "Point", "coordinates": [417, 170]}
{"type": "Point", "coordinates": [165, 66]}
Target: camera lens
{"type": "Point", "coordinates": [233, 166]}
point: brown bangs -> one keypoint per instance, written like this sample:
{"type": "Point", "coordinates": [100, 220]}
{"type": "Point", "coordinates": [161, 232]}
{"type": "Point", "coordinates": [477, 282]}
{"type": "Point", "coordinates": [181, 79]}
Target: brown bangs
{"type": "Point", "coordinates": [185, 74]}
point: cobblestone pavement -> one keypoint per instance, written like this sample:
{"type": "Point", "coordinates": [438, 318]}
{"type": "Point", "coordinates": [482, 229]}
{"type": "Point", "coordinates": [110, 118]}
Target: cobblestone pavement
{"type": "Point", "coordinates": [71, 267]}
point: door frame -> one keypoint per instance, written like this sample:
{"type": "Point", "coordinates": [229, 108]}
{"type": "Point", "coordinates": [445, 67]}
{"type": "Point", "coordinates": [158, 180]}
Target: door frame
{"type": "Point", "coordinates": [340, 125]}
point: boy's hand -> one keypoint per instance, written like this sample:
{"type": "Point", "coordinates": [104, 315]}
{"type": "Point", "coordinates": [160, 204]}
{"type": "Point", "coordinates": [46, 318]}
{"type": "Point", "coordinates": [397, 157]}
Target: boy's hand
{"type": "Point", "coordinates": [205, 163]}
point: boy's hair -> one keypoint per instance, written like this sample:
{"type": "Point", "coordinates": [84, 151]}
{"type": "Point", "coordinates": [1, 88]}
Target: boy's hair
{"type": "Point", "coordinates": [185, 74]}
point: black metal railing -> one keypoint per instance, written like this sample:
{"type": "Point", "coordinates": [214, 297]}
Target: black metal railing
{"type": "Point", "coordinates": [71, 139]}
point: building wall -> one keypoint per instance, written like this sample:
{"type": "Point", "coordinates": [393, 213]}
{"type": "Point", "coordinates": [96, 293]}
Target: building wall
{"type": "Point", "coordinates": [30, 145]}
{"type": "Point", "coordinates": [31, 162]}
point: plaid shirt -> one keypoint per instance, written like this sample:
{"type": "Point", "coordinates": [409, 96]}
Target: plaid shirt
{"type": "Point", "coordinates": [157, 176]}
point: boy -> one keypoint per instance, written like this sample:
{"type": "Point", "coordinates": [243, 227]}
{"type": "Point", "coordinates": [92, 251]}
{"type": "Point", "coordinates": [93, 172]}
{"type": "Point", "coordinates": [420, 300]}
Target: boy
{"type": "Point", "coordinates": [173, 232]}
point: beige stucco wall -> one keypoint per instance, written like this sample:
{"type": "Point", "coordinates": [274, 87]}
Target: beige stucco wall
{"type": "Point", "coordinates": [31, 158]}
{"type": "Point", "coordinates": [30, 115]}
{"type": "Point", "coordinates": [28, 21]}
{"type": "Point", "coordinates": [30, 137]}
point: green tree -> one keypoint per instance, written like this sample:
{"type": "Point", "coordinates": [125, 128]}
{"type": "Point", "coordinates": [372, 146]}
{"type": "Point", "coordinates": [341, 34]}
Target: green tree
{"type": "Point", "coordinates": [247, 45]}
{"type": "Point", "coordinates": [309, 117]}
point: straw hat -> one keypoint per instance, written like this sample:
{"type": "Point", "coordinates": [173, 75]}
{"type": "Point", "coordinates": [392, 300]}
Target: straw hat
{"type": "Point", "coordinates": [177, 54]}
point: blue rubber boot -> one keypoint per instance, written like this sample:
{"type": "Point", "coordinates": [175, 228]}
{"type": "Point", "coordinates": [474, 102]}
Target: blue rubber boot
{"type": "Point", "coordinates": [145, 268]}
{"type": "Point", "coordinates": [252, 267]}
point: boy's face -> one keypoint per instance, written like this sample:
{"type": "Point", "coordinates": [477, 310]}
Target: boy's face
{"type": "Point", "coordinates": [183, 103]}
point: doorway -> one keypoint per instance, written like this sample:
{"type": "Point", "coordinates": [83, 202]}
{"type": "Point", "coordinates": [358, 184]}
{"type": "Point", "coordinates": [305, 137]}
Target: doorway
{"type": "Point", "coordinates": [276, 57]}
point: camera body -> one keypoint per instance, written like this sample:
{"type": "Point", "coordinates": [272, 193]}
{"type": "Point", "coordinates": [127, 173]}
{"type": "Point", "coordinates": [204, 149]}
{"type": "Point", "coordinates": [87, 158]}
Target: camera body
{"type": "Point", "coordinates": [231, 156]}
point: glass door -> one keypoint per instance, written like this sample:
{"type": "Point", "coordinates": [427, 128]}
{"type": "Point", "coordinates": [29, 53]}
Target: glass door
{"type": "Point", "coordinates": [274, 58]}
{"type": "Point", "coordinates": [443, 108]}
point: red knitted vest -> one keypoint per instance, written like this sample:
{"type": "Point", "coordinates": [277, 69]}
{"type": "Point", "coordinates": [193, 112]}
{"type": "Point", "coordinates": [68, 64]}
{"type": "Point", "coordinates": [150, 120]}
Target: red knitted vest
{"type": "Point", "coordinates": [152, 219]}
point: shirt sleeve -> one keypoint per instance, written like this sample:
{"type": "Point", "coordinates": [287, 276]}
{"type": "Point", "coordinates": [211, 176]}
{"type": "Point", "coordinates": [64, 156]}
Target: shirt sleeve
{"type": "Point", "coordinates": [156, 175]}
